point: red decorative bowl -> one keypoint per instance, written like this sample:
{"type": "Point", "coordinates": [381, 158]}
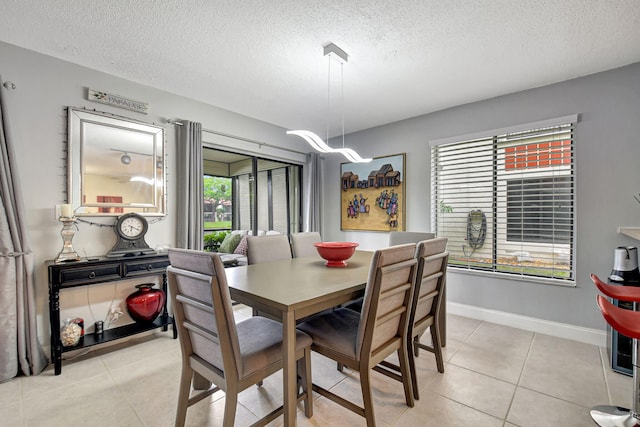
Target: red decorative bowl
{"type": "Point", "coordinates": [336, 253]}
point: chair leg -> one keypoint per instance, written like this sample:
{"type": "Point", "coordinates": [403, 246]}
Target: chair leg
{"type": "Point", "coordinates": [340, 367]}
{"type": "Point", "coordinates": [367, 396]}
{"type": "Point", "coordinates": [304, 372]}
{"type": "Point", "coordinates": [230, 405]}
{"type": "Point", "coordinates": [416, 345]}
{"type": "Point", "coordinates": [412, 369]}
{"type": "Point", "coordinates": [437, 347]}
{"type": "Point", "coordinates": [406, 376]}
{"type": "Point", "coordinates": [183, 395]}
{"type": "Point", "coordinates": [200, 382]}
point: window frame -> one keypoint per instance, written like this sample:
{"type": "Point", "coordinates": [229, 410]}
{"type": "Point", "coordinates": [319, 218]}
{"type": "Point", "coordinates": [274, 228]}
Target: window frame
{"type": "Point", "coordinates": [497, 230]}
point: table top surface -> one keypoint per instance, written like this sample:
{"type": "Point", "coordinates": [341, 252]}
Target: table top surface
{"type": "Point", "coordinates": [294, 283]}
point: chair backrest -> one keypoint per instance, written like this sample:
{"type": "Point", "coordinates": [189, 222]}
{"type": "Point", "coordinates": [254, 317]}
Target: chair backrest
{"type": "Point", "coordinates": [402, 237]}
{"type": "Point", "coordinates": [202, 310]}
{"type": "Point", "coordinates": [268, 248]}
{"type": "Point", "coordinates": [387, 299]}
{"type": "Point", "coordinates": [302, 243]}
{"type": "Point", "coordinates": [431, 276]}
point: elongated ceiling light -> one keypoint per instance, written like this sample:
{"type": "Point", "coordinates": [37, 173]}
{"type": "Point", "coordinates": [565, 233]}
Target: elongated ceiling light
{"type": "Point", "coordinates": [317, 143]}
{"type": "Point", "coordinates": [331, 50]}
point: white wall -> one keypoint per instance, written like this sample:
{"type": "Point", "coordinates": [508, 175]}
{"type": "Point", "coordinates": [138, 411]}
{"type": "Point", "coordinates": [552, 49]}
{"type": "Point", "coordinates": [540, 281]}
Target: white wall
{"type": "Point", "coordinates": [36, 109]}
{"type": "Point", "coordinates": [607, 141]}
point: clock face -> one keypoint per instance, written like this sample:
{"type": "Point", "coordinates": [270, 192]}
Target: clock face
{"type": "Point", "coordinates": [131, 227]}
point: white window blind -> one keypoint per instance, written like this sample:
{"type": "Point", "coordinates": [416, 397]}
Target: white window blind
{"type": "Point", "coordinates": [243, 206]}
{"type": "Point", "coordinates": [506, 202]}
{"type": "Point", "coordinates": [263, 201]}
{"type": "Point", "coordinates": [280, 200]}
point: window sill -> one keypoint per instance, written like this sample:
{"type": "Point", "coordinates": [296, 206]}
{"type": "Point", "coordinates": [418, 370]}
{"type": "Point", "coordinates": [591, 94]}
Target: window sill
{"type": "Point", "coordinates": [514, 277]}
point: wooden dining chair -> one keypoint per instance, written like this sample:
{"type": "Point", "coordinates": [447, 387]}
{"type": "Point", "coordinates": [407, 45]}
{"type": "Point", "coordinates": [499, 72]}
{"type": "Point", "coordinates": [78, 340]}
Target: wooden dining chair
{"type": "Point", "coordinates": [427, 302]}
{"type": "Point", "coordinates": [302, 243]}
{"type": "Point", "coordinates": [396, 238]}
{"type": "Point", "coordinates": [402, 237]}
{"type": "Point", "coordinates": [362, 340]}
{"type": "Point", "coordinates": [217, 353]}
{"type": "Point", "coordinates": [268, 248]}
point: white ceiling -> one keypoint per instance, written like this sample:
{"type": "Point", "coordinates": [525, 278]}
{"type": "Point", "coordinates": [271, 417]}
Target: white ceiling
{"type": "Point", "coordinates": [264, 58]}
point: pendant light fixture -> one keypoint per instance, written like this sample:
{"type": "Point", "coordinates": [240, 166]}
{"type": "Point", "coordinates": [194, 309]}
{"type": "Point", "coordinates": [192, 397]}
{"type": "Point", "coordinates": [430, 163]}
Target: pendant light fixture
{"type": "Point", "coordinates": [331, 51]}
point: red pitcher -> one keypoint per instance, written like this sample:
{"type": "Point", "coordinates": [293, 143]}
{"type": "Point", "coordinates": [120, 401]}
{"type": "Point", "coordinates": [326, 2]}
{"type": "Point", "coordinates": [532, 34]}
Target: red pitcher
{"type": "Point", "coordinates": [146, 303]}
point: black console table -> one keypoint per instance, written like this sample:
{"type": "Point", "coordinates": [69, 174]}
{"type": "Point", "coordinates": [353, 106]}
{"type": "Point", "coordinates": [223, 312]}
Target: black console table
{"type": "Point", "coordinates": [102, 270]}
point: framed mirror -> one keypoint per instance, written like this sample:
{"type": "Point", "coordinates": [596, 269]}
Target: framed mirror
{"type": "Point", "coordinates": [116, 165]}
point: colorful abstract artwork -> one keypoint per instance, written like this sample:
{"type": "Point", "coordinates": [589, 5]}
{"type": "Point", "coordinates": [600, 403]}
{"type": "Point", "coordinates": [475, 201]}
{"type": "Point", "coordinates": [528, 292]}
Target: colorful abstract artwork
{"type": "Point", "coordinates": [373, 194]}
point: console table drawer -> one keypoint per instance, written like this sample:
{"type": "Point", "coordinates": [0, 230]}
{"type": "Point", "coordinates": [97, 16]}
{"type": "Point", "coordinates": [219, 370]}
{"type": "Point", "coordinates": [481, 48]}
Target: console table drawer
{"type": "Point", "coordinates": [140, 268]}
{"type": "Point", "coordinates": [95, 274]}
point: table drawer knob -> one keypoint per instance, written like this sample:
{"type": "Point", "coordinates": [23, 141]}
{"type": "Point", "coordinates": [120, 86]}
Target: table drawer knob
{"type": "Point", "coordinates": [149, 267]}
{"type": "Point", "coordinates": [92, 275]}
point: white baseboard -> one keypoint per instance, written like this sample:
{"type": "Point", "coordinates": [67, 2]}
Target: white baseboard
{"type": "Point", "coordinates": [547, 327]}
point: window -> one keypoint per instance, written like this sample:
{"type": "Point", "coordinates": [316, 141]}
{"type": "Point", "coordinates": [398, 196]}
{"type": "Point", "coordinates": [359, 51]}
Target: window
{"type": "Point", "coordinates": [539, 210]}
{"type": "Point", "coordinates": [506, 201]}
{"type": "Point", "coordinates": [248, 193]}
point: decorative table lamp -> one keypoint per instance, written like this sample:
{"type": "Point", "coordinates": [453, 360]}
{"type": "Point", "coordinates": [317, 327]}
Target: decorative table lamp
{"type": "Point", "coordinates": [68, 230]}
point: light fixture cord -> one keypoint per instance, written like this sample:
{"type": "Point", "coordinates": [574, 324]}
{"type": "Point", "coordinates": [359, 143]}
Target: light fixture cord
{"type": "Point", "coordinates": [342, 98]}
{"type": "Point", "coordinates": [328, 96]}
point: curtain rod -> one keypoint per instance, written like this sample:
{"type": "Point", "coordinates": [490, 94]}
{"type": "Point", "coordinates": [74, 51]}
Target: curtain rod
{"type": "Point", "coordinates": [240, 138]}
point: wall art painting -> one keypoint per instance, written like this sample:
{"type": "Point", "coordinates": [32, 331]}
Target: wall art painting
{"type": "Point", "coordinates": [373, 194]}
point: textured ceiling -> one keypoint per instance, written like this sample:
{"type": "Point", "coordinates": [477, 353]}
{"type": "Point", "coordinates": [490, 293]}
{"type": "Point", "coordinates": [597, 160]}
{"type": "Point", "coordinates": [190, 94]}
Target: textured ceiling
{"type": "Point", "coordinates": [264, 58]}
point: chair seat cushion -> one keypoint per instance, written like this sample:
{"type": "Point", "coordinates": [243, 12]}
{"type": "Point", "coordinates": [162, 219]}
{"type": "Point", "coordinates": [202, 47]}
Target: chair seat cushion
{"type": "Point", "coordinates": [260, 341]}
{"type": "Point", "coordinates": [336, 330]}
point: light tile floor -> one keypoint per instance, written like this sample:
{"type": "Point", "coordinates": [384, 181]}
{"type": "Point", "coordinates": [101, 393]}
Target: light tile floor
{"type": "Point", "coordinates": [494, 376]}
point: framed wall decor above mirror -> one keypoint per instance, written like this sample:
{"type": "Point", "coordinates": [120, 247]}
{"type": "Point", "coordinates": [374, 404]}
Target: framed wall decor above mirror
{"type": "Point", "coordinates": [116, 165]}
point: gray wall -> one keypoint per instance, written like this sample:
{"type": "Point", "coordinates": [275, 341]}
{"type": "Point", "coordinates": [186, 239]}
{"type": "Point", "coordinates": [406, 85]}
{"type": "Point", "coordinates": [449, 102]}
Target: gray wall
{"type": "Point", "coordinates": [36, 109]}
{"type": "Point", "coordinates": [607, 154]}
{"type": "Point", "coordinates": [607, 141]}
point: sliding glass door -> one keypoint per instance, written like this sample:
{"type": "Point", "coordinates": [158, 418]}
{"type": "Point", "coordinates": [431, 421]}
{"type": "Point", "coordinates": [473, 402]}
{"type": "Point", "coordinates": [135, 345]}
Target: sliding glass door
{"type": "Point", "coordinates": [262, 194]}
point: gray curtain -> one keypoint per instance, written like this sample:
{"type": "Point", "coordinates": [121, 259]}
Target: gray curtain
{"type": "Point", "coordinates": [20, 349]}
{"type": "Point", "coordinates": [190, 209]}
{"type": "Point", "coordinates": [312, 206]}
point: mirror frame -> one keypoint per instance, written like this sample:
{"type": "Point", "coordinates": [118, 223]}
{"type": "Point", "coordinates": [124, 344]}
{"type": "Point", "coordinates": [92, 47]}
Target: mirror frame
{"type": "Point", "coordinates": [78, 118]}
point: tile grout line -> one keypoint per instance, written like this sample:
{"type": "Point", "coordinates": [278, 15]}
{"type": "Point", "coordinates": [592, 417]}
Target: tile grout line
{"type": "Point", "coordinates": [121, 392]}
{"type": "Point", "coordinates": [604, 366]}
{"type": "Point", "coordinates": [504, 420]}
{"type": "Point", "coordinates": [517, 385]}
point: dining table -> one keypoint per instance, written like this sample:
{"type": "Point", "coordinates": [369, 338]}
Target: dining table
{"type": "Point", "coordinates": [291, 290]}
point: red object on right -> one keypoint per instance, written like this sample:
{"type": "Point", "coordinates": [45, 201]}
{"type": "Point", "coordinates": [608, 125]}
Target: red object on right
{"type": "Point", "coordinates": [623, 293]}
{"type": "Point", "coordinates": [627, 322]}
